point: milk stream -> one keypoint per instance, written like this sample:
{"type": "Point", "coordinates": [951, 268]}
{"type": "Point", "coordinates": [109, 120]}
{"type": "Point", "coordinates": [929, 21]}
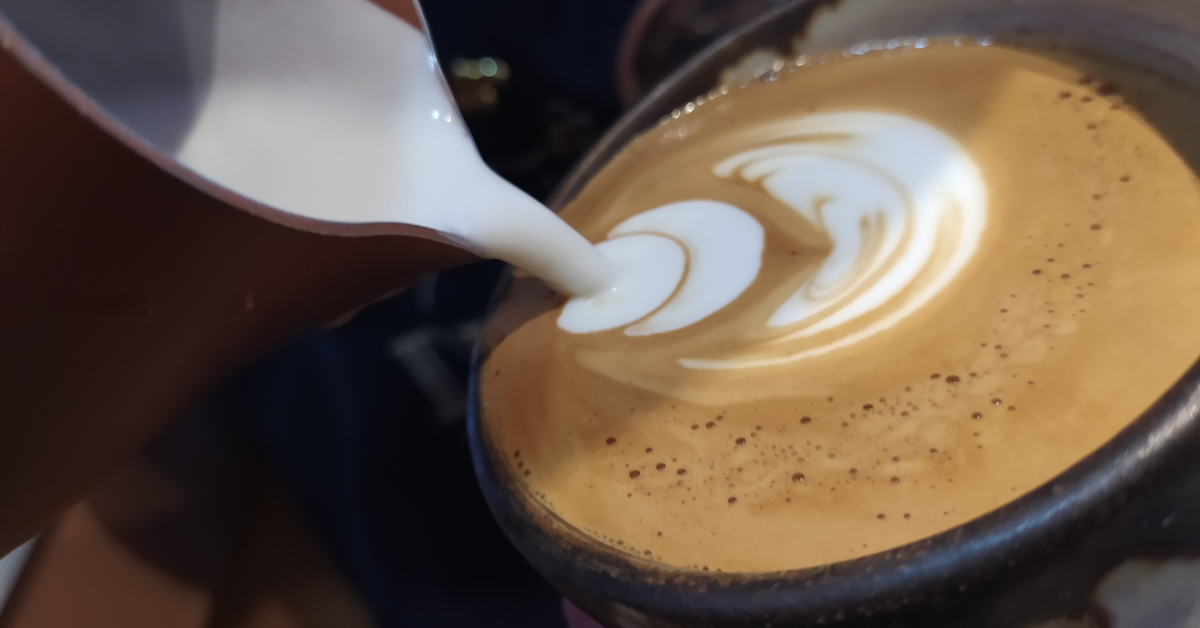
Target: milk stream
{"type": "Point", "coordinates": [330, 110]}
{"type": "Point", "coordinates": [335, 111]}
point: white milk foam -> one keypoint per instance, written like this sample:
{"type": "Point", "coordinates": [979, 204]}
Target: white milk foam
{"type": "Point", "coordinates": [902, 204]}
{"type": "Point", "coordinates": [721, 245]}
{"type": "Point", "coordinates": [648, 269]}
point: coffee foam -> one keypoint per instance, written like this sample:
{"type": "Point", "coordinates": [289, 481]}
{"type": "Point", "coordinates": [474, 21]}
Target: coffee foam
{"type": "Point", "coordinates": [887, 191]}
{"type": "Point", "coordinates": [1072, 312]}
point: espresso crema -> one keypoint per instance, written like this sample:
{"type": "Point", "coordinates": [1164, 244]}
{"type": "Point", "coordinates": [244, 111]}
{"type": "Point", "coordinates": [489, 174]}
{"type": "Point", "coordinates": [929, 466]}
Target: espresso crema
{"type": "Point", "coordinates": [862, 301]}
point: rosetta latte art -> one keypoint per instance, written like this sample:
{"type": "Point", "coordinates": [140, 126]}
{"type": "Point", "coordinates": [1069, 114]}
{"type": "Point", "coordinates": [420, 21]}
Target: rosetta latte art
{"type": "Point", "coordinates": [901, 204]}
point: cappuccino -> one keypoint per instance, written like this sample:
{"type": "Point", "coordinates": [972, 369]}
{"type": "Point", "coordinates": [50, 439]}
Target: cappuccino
{"type": "Point", "coordinates": [860, 302]}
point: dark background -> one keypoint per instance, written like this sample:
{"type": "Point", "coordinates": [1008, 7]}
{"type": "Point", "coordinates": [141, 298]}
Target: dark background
{"type": "Point", "coordinates": [365, 422]}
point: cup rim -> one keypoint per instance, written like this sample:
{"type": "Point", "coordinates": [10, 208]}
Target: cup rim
{"type": "Point", "coordinates": [945, 564]}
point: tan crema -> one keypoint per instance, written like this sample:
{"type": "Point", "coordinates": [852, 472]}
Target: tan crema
{"type": "Point", "coordinates": [1078, 310]}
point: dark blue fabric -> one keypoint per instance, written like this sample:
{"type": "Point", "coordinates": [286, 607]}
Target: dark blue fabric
{"type": "Point", "coordinates": [561, 93]}
{"type": "Point", "coordinates": [387, 481]}
{"type": "Point", "coordinates": [569, 46]}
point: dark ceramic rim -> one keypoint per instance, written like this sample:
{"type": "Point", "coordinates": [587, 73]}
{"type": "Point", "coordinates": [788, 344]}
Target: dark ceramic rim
{"type": "Point", "coordinates": [940, 566]}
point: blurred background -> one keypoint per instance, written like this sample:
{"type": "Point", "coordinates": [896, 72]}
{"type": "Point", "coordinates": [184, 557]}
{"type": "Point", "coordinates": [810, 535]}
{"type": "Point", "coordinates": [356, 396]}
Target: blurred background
{"type": "Point", "coordinates": [331, 483]}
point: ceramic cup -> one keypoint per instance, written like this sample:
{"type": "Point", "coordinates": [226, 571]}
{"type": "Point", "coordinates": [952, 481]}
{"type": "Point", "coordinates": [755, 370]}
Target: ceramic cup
{"type": "Point", "coordinates": [1112, 541]}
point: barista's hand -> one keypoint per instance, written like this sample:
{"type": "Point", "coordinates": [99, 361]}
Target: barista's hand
{"type": "Point", "coordinates": [576, 618]}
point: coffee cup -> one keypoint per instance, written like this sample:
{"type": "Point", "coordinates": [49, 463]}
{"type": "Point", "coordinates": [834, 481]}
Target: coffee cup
{"type": "Point", "coordinates": [1101, 541]}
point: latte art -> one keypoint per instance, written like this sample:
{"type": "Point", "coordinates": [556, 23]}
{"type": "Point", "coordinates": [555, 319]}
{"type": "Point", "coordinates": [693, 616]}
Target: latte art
{"type": "Point", "coordinates": [900, 203]}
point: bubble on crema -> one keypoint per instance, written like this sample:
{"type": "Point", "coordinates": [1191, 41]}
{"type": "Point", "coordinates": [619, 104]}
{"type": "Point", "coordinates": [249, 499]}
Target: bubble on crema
{"type": "Point", "coordinates": [900, 202]}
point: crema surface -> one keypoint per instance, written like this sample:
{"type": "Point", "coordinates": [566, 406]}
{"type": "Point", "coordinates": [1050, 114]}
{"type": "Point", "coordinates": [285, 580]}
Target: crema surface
{"type": "Point", "coordinates": [865, 301]}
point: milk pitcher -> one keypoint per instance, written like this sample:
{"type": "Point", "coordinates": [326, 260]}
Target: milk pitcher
{"type": "Point", "coordinates": [186, 183]}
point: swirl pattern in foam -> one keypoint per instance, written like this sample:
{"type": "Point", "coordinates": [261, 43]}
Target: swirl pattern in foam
{"type": "Point", "coordinates": [901, 203]}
